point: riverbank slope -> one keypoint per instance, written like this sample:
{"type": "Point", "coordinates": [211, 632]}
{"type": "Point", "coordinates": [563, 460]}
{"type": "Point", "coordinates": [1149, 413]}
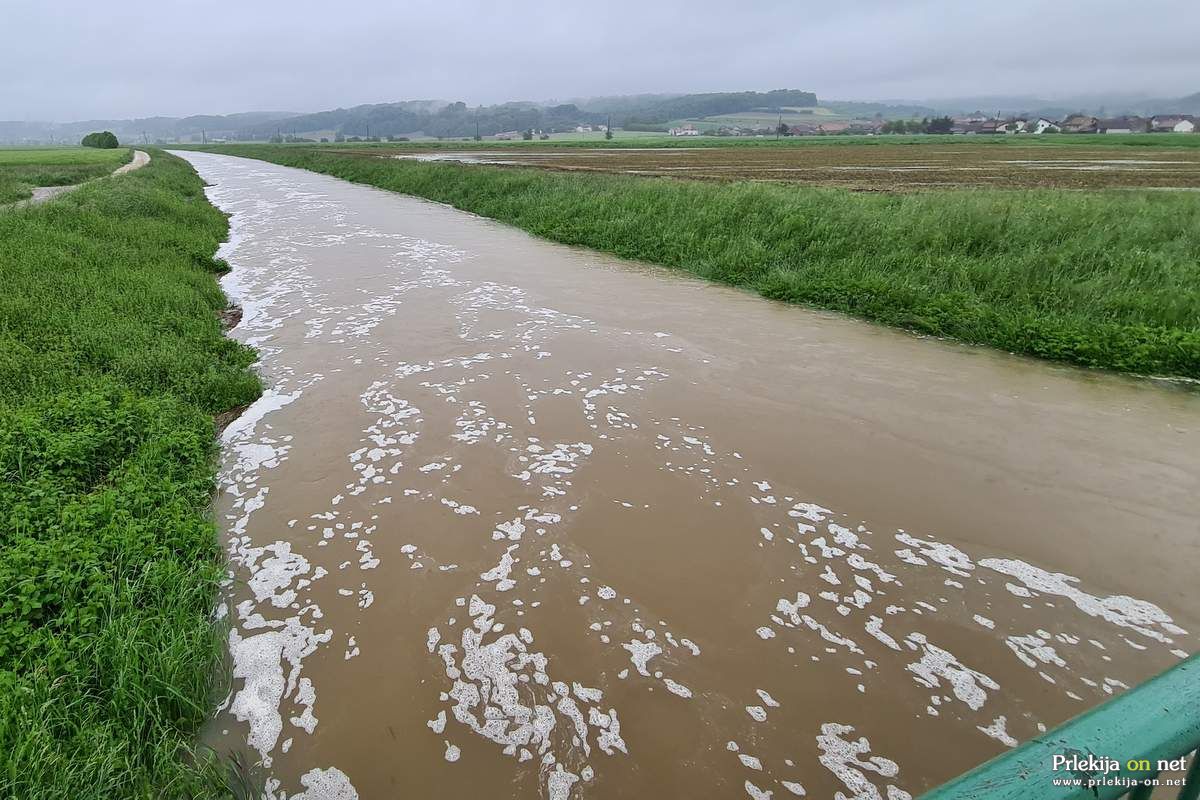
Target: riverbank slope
{"type": "Point", "coordinates": [112, 366]}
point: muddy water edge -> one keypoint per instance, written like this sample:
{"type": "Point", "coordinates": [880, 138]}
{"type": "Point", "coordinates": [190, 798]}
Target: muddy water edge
{"type": "Point", "coordinates": [519, 520]}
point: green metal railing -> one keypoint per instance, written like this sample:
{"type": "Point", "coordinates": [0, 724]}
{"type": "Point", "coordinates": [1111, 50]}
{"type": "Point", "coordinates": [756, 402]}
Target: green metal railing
{"type": "Point", "coordinates": [1129, 739]}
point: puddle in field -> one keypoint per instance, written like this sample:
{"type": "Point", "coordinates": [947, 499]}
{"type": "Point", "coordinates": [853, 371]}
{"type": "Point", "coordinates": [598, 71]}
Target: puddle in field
{"type": "Point", "coordinates": [518, 520]}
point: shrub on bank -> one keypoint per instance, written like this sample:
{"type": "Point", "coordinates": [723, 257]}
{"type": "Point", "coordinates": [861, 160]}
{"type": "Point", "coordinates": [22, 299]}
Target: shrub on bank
{"type": "Point", "coordinates": [102, 139]}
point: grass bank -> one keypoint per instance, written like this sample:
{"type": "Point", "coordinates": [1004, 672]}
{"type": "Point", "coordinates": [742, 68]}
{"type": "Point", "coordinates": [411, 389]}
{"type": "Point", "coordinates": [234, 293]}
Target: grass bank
{"type": "Point", "coordinates": [112, 365]}
{"type": "Point", "coordinates": [1102, 279]}
{"type": "Point", "coordinates": [23, 169]}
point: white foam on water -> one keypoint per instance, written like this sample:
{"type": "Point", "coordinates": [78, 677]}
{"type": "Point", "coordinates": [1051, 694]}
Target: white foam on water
{"type": "Point", "coordinates": [640, 654]}
{"type": "Point", "coordinates": [757, 793]}
{"type": "Point", "coordinates": [996, 730]}
{"type": "Point", "coordinates": [849, 761]}
{"type": "Point", "coordinates": [1126, 612]}
{"type": "Point", "coordinates": [325, 784]}
{"type": "Point", "coordinates": [493, 675]}
{"type": "Point", "coordinates": [937, 665]}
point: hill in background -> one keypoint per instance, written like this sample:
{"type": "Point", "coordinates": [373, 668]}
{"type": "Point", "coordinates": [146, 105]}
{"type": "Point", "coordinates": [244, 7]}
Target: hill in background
{"type": "Point", "coordinates": [135, 130]}
{"type": "Point", "coordinates": [420, 118]}
{"type": "Point", "coordinates": [651, 112]}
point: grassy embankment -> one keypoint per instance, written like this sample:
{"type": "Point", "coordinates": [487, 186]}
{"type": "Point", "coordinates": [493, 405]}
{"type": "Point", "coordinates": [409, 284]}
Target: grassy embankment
{"type": "Point", "coordinates": [23, 169]}
{"type": "Point", "coordinates": [112, 365]}
{"type": "Point", "coordinates": [1101, 279]}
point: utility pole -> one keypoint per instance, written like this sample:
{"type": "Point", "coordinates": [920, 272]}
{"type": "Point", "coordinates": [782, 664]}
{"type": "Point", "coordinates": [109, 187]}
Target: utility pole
{"type": "Point", "coordinates": [204, 136]}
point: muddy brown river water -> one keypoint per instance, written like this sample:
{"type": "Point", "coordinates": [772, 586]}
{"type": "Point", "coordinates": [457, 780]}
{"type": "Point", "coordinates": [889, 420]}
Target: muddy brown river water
{"type": "Point", "coordinates": [516, 520]}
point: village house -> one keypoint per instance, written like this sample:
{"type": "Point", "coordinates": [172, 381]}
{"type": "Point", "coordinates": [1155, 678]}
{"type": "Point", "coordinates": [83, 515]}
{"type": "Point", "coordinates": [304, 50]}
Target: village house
{"type": "Point", "coordinates": [867, 126]}
{"type": "Point", "coordinates": [1012, 126]}
{"type": "Point", "coordinates": [1079, 123]}
{"type": "Point", "coordinates": [834, 127]}
{"type": "Point", "coordinates": [1122, 125]}
{"type": "Point", "coordinates": [686, 130]}
{"type": "Point", "coordinates": [802, 129]}
{"type": "Point", "coordinates": [1042, 125]}
{"type": "Point", "coordinates": [1173, 123]}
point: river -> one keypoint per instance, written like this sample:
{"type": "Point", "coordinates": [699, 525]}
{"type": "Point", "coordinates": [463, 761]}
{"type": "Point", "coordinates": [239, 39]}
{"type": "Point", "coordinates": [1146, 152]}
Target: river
{"type": "Point", "coordinates": [520, 520]}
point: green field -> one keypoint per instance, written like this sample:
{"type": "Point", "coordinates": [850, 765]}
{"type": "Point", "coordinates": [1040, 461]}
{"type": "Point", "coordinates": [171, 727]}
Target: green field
{"type": "Point", "coordinates": [1102, 278]}
{"type": "Point", "coordinates": [112, 365]}
{"type": "Point", "coordinates": [765, 119]}
{"type": "Point", "coordinates": [22, 169]}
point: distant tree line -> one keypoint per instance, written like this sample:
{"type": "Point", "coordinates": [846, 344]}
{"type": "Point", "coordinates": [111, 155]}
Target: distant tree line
{"type": "Point", "coordinates": [103, 139]}
{"type": "Point", "coordinates": [923, 125]}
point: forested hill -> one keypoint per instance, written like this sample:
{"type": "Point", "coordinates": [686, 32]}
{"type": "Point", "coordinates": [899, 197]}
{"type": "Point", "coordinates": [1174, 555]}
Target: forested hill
{"type": "Point", "coordinates": [706, 105]}
{"type": "Point", "coordinates": [139, 129]}
{"type": "Point", "coordinates": [459, 120]}
{"type": "Point", "coordinates": [442, 119]}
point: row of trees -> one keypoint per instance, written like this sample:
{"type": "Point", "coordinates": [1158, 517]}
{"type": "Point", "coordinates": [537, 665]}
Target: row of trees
{"type": "Point", "coordinates": [923, 125]}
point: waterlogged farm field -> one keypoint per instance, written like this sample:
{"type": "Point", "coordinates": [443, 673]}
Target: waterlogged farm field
{"type": "Point", "coordinates": [941, 164]}
{"type": "Point", "coordinates": [23, 169]}
{"type": "Point", "coordinates": [520, 520]}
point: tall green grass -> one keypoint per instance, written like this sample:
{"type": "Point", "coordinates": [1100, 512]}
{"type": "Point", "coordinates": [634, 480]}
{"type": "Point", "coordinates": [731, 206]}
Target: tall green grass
{"type": "Point", "coordinates": [112, 365]}
{"type": "Point", "coordinates": [1104, 279]}
{"type": "Point", "coordinates": [23, 169]}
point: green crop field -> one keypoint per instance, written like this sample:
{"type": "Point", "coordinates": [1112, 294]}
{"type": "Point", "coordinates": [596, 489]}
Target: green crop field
{"type": "Point", "coordinates": [768, 119]}
{"type": "Point", "coordinates": [24, 168]}
{"type": "Point", "coordinates": [112, 365]}
{"type": "Point", "coordinates": [1098, 278]}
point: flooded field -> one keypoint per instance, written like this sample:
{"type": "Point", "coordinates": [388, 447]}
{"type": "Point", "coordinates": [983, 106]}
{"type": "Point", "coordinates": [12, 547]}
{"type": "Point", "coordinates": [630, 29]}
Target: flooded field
{"type": "Point", "coordinates": [872, 166]}
{"type": "Point", "coordinates": [517, 520]}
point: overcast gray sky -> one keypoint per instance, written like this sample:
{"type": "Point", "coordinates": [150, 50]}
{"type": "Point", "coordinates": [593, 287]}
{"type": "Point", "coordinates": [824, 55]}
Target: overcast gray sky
{"type": "Point", "coordinates": [76, 59]}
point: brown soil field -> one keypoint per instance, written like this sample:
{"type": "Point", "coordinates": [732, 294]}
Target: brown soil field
{"type": "Point", "coordinates": [871, 167]}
